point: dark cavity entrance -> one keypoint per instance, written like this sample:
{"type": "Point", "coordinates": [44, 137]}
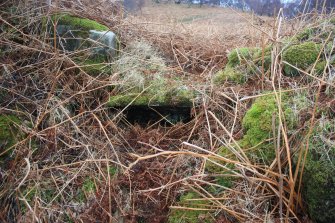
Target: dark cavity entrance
{"type": "Point", "coordinates": [166, 115]}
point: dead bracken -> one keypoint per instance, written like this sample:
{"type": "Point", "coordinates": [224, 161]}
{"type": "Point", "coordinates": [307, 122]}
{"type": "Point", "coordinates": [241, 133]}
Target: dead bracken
{"type": "Point", "coordinates": [175, 113]}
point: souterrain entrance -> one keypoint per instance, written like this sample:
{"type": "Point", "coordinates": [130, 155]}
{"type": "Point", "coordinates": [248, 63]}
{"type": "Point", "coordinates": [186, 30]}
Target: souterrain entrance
{"type": "Point", "coordinates": [164, 115]}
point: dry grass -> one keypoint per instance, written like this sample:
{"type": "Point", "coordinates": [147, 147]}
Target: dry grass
{"type": "Point", "coordinates": [198, 39]}
{"type": "Point", "coordinates": [232, 28]}
{"type": "Point", "coordinates": [79, 161]}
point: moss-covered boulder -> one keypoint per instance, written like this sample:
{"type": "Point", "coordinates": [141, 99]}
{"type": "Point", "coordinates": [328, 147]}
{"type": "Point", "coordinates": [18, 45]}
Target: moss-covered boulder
{"type": "Point", "coordinates": [319, 174]}
{"type": "Point", "coordinates": [302, 56]}
{"type": "Point", "coordinates": [94, 43]}
{"type": "Point", "coordinates": [193, 212]}
{"type": "Point", "coordinates": [259, 123]}
{"type": "Point", "coordinates": [77, 23]}
{"type": "Point", "coordinates": [75, 32]}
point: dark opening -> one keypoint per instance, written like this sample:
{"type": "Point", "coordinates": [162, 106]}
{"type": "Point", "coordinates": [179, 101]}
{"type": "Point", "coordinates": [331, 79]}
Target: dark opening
{"type": "Point", "coordinates": [166, 115]}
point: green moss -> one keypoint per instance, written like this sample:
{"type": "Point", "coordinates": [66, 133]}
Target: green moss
{"type": "Point", "coordinates": [190, 216]}
{"type": "Point", "coordinates": [319, 174]}
{"type": "Point", "coordinates": [229, 74]}
{"type": "Point", "coordinates": [123, 100]}
{"type": "Point", "coordinates": [242, 63]}
{"type": "Point", "coordinates": [266, 60]}
{"type": "Point", "coordinates": [94, 66]}
{"type": "Point", "coordinates": [213, 168]}
{"type": "Point", "coordinates": [258, 125]}
{"type": "Point", "coordinates": [179, 96]}
{"type": "Point", "coordinates": [79, 23]}
{"type": "Point", "coordinates": [43, 192]}
{"type": "Point", "coordinates": [8, 130]}
{"type": "Point", "coordinates": [156, 95]}
{"type": "Point", "coordinates": [88, 188]}
{"type": "Point", "coordinates": [320, 67]}
{"type": "Point", "coordinates": [88, 185]}
{"type": "Point", "coordinates": [302, 56]}
{"type": "Point", "coordinates": [241, 55]}
{"type": "Point", "coordinates": [222, 176]}
{"type": "Point", "coordinates": [306, 34]}
{"type": "Point", "coordinates": [113, 171]}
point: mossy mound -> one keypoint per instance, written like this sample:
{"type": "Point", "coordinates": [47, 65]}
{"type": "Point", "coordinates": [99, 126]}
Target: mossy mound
{"type": "Point", "coordinates": [241, 64]}
{"type": "Point", "coordinates": [317, 32]}
{"type": "Point", "coordinates": [191, 216]}
{"type": "Point", "coordinates": [259, 123]}
{"type": "Point", "coordinates": [302, 56]}
{"type": "Point", "coordinates": [301, 51]}
{"type": "Point", "coordinates": [319, 174]}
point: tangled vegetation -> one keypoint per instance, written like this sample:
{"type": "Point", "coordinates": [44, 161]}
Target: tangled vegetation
{"type": "Point", "coordinates": [257, 144]}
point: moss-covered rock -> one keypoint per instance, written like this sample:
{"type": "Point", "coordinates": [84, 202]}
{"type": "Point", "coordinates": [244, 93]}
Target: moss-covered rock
{"type": "Point", "coordinates": [259, 122]}
{"type": "Point", "coordinates": [73, 32]}
{"type": "Point", "coordinates": [258, 127]}
{"type": "Point", "coordinates": [93, 44]}
{"type": "Point", "coordinates": [302, 56]}
{"type": "Point", "coordinates": [190, 216]}
{"type": "Point", "coordinates": [319, 174]}
{"type": "Point", "coordinates": [78, 23]}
